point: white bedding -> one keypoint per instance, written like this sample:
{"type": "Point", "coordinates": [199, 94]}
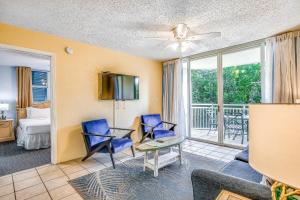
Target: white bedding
{"type": "Point", "coordinates": [34, 133]}
{"type": "Point", "coordinates": [35, 126]}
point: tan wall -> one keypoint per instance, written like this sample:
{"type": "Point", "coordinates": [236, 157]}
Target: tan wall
{"type": "Point", "coordinates": [76, 85]}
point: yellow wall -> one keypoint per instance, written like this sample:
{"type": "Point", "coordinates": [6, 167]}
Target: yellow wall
{"type": "Point", "coordinates": [76, 85]}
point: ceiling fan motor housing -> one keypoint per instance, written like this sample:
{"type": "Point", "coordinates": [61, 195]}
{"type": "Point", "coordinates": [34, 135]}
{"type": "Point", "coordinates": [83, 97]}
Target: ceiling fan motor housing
{"type": "Point", "coordinates": [181, 31]}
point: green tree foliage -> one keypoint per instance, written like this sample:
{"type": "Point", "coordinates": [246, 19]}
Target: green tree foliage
{"type": "Point", "coordinates": [241, 85]}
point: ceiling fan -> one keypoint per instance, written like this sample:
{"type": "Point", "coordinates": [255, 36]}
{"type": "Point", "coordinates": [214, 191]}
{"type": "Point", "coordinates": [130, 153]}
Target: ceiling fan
{"type": "Point", "coordinates": [183, 37]}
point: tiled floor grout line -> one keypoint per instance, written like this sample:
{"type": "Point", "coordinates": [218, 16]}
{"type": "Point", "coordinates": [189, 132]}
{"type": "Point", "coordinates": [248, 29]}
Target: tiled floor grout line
{"type": "Point", "coordinates": [208, 155]}
{"type": "Point", "coordinates": [13, 182]}
{"type": "Point", "coordinates": [15, 192]}
{"type": "Point", "coordinates": [43, 184]}
{"type": "Point", "coordinates": [61, 169]}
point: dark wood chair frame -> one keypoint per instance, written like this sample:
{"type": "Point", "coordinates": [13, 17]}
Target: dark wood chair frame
{"type": "Point", "coordinates": [150, 132]}
{"type": "Point", "coordinates": [106, 144]}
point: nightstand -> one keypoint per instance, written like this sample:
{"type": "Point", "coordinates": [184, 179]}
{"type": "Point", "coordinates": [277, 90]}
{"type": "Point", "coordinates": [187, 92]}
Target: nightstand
{"type": "Point", "coordinates": [226, 195]}
{"type": "Point", "coordinates": [6, 130]}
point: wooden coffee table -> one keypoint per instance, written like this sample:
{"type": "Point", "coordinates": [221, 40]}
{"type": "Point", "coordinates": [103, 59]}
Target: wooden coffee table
{"type": "Point", "coordinates": [159, 161]}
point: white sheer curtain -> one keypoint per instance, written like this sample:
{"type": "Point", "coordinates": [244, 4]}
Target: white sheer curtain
{"type": "Point", "coordinates": [282, 68]}
{"type": "Point", "coordinates": [173, 102]}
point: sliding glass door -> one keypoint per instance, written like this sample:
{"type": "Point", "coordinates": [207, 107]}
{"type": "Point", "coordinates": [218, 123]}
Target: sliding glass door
{"type": "Point", "coordinates": [204, 98]}
{"type": "Point", "coordinates": [241, 73]}
{"type": "Point", "coordinates": [221, 86]}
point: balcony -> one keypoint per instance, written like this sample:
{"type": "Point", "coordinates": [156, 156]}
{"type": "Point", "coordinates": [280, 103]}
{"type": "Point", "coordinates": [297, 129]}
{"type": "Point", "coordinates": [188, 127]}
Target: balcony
{"type": "Point", "coordinates": [204, 123]}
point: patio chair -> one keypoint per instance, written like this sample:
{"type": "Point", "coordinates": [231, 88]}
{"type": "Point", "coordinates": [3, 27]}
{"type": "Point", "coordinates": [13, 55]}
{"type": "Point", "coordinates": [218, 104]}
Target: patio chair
{"type": "Point", "coordinates": [236, 125]}
{"type": "Point", "coordinates": [98, 138]}
{"type": "Point", "coordinates": [153, 127]}
{"type": "Point", "coordinates": [212, 120]}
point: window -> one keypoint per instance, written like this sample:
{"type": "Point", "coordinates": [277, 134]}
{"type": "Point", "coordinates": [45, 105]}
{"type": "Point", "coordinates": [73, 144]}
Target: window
{"type": "Point", "coordinates": [39, 86]}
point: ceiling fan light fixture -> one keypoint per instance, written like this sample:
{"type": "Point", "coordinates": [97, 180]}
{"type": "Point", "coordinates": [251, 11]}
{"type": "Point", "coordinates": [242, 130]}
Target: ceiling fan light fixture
{"type": "Point", "coordinates": [181, 31]}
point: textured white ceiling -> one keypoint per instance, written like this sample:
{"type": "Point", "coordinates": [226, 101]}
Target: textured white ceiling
{"type": "Point", "coordinates": [123, 24]}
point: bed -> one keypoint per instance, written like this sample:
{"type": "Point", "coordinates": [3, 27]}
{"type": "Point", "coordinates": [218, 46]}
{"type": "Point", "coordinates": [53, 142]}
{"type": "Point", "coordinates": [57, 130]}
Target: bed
{"type": "Point", "coordinates": [33, 131]}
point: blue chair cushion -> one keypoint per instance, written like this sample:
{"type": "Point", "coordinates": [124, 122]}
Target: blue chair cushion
{"type": "Point", "coordinates": [151, 120]}
{"type": "Point", "coordinates": [99, 126]}
{"type": "Point", "coordinates": [162, 133]}
{"type": "Point", "coordinates": [120, 144]}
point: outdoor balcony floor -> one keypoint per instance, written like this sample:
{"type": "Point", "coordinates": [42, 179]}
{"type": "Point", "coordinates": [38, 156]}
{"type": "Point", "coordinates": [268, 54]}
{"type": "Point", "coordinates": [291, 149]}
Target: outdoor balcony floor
{"type": "Point", "coordinates": [213, 136]}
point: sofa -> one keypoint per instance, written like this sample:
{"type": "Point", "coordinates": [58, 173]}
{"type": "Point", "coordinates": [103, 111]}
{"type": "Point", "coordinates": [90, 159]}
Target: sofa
{"type": "Point", "coordinates": [237, 176]}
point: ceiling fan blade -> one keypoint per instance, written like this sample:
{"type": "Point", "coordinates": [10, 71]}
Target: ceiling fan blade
{"type": "Point", "coordinates": [159, 38]}
{"type": "Point", "coordinates": [193, 37]}
{"type": "Point", "coordinates": [161, 35]}
{"type": "Point", "coordinates": [137, 26]}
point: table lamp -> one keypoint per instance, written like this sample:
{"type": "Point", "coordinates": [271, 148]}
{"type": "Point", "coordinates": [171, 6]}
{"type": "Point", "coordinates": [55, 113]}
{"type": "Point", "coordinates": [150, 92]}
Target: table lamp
{"type": "Point", "coordinates": [274, 145]}
{"type": "Point", "coordinates": [3, 107]}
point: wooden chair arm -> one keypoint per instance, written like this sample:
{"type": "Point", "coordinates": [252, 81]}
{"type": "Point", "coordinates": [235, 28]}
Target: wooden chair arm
{"type": "Point", "coordinates": [127, 135]}
{"type": "Point", "coordinates": [99, 135]}
{"type": "Point", "coordinates": [123, 129]}
{"type": "Point", "coordinates": [168, 123]}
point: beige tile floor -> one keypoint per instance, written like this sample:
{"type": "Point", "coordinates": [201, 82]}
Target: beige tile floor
{"type": "Point", "coordinates": [51, 181]}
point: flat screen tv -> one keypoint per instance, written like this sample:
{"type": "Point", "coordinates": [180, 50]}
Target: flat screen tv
{"type": "Point", "coordinates": [118, 87]}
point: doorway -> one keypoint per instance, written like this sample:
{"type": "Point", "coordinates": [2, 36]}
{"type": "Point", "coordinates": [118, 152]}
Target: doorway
{"type": "Point", "coordinates": [32, 140]}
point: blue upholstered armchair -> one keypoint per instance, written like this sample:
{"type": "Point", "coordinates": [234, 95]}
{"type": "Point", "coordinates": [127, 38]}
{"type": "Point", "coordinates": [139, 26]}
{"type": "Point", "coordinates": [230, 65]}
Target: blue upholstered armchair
{"type": "Point", "coordinates": [153, 127]}
{"type": "Point", "coordinates": [98, 138]}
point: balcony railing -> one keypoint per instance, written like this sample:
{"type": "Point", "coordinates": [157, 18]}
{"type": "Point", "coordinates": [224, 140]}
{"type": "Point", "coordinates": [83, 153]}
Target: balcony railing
{"type": "Point", "coordinates": [200, 117]}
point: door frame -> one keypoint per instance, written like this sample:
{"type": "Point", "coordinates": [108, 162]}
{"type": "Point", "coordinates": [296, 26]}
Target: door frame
{"type": "Point", "coordinates": [219, 53]}
{"type": "Point", "coordinates": [53, 134]}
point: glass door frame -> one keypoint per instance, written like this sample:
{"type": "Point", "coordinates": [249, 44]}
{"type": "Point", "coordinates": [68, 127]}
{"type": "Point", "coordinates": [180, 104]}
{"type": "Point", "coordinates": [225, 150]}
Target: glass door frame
{"type": "Point", "coordinates": [219, 53]}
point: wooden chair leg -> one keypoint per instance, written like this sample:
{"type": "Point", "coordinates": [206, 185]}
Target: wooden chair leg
{"type": "Point", "coordinates": [111, 157]}
{"type": "Point", "coordinates": [86, 157]}
{"type": "Point", "coordinates": [132, 150]}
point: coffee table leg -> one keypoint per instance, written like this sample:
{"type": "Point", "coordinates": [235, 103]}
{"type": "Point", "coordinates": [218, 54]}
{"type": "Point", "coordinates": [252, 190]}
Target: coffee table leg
{"type": "Point", "coordinates": [145, 160]}
{"type": "Point", "coordinates": [156, 163]}
{"type": "Point", "coordinates": [180, 153]}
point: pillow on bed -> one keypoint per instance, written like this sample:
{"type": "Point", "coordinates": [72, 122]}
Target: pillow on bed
{"type": "Point", "coordinates": [38, 113]}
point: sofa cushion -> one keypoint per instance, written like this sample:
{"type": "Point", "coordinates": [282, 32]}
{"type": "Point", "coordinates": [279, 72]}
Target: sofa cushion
{"type": "Point", "coordinates": [242, 170]}
{"type": "Point", "coordinates": [243, 156]}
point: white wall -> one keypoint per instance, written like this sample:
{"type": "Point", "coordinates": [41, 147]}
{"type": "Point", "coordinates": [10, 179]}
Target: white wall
{"type": "Point", "coordinates": [8, 89]}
